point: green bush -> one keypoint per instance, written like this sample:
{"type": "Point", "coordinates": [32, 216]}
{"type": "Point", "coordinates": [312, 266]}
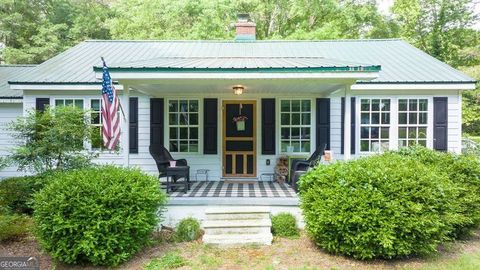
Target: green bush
{"type": "Point", "coordinates": [14, 226]}
{"type": "Point", "coordinates": [16, 193]}
{"type": "Point", "coordinates": [101, 215]}
{"type": "Point", "coordinates": [188, 229]}
{"type": "Point", "coordinates": [170, 260]}
{"type": "Point", "coordinates": [284, 225]}
{"type": "Point", "coordinates": [464, 171]}
{"type": "Point", "coordinates": [383, 206]}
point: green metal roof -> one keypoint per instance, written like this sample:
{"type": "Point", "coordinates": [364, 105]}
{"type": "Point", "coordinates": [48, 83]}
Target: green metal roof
{"type": "Point", "coordinates": [400, 62]}
{"type": "Point", "coordinates": [10, 72]}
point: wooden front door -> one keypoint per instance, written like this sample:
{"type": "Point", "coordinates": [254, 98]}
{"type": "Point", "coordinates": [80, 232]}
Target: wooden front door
{"type": "Point", "coordinates": [239, 140]}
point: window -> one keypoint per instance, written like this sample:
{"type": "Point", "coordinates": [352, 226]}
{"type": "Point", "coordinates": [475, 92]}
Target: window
{"type": "Point", "coordinates": [183, 125]}
{"type": "Point", "coordinates": [412, 122]}
{"type": "Point", "coordinates": [96, 122]}
{"type": "Point", "coordinates": [374, 125]}
{"type": "Point", "coordinates": [69, 102]}
{"type": "Point", "coordinates": [295, 127]}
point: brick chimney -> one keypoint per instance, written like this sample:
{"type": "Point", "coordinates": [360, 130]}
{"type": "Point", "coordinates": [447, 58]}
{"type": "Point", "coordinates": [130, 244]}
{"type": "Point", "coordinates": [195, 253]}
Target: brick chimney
{"type": "Point", "coordinates": [244, 28]}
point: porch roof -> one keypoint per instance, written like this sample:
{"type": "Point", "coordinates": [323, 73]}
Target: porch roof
{"type": "Point", "coordinates": [10, 72]}
{"type": "Point", "coordinates": [243, 64]}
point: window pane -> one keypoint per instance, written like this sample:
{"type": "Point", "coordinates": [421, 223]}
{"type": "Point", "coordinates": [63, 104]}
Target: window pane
{"type": "Point", "coordinates": [295, 119]}
{"type": "Point", "coordinates": [96, 137]}
{"type": "Point", "coordinates": [364, 132]}
{"type": "Point", "coordinates": [174, 133]}
{"type": "Point", "coordinates": [285, 133]}
{"type": "Point", "coordinates": [296, 133]}
{"type": "Point", "coordinates": [385, 118]}
{"type": "Point", "coordinates": [412, 132]}
{"type": "Point", "coordinates": [375, 146]}
{"type": "Point", "coordinates": [365, 118]}
{"type": "Point", "coordinates": [385, 134]}
{"type": "Point", "coordinates": [305, 146]}
{"type": "Point", "coordinates": [193, 118]}
{"type": "Point", "coordinates": [285, 106]}
{"type": "Point", "coordinates": [375, 118]}
{"type": "Point", "coordinates": [95, 118]}
{"type": "Point", "coordinates": [194, 133]}
{"type": "Point", "coordinates": [402, 143]}
{"type": "Point", "coordinates": [183, 107]}
{"type": "Point", "coordinates": [284, 145]}
{"type": "Point", "coordinates": [364, 145]}
{"type": "Point", "coordinates": [423, 105]}
{"type": "Point", "coordinates": [385, 105]}
{"type": "Point", "coordinates": [365, 105]}
{"type": "Point", "coordinates": [59, 102]}
{"type": "Point", "coordinates": [384, 145]}
{"type": "Point", "coordinates": [305, 118]}
{"type": "Point", "coordinates": [412, 118]}
{"type": "Point", "coordinates": [412, 104]}
{"type": "Point", "coordinates": [402, 105]}
{"type": "Point", "coordinates": [68, 102]}
{"type": "Point", "coordinates": [422, 132]}
{"type": "Point", "coordinates": [296, 146]}
{"type": "Point", "coordinates": [422, 118]}
{"type": "Point", "coordinates": [173, 146]}
{"type": "Point", "coordinates": [173, 119]}
{"type": "Point", "coordinates": [402, 118]}
{"type": "Point", "coordinates": [374, 132]}
{"type": "Point", "coordinates": [173, 105]}
{"type": "Point", "coordinates": [193, 106]}
{"type": "Point", "coordinates": [305, 134]}
{"type": "Point", "coordinates": [193, 146]}
{"type": "Point", "coordinates": [375, 105]}
{"type": "Point", "coordinates": [295, 105]}
{"type": "Point", "coordinates": [305, 105]}
{"type": "Point", "coordinates": [95, 104]}
{"type": "Point", "coordinates": [402, 133]}
{"type": "Point", "coordinates": [183, 133]}
{"type": "Point", "coordinates": [285, 118]}
{"type": "Point", "coordinates": [79, 103]}
{"type": "Point", "coordinates": [422, 142]}
{"type": "Point", "coordinates": [183, 146]}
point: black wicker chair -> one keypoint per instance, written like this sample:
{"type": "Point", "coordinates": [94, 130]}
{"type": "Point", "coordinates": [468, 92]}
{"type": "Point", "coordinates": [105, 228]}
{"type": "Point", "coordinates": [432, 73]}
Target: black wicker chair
{"type": "Point", "coordinates": [299, 167]}
{"type": "Point", "coordinates": [162, 158]}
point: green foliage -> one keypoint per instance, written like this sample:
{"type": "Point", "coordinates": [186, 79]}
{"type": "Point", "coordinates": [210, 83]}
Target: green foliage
{"type": "Point", "coordinates": [100, 215]}
{"type": "Point", "coordinates": [471, 103]}
{"type": "Point", "coordinates": [284, 225]}
{"type": "Point", "coordinates": [464, 172]}
{"type": "Point", "coordinates": [13, 226]}
{"type": "Point", "coordinates": [188, 229]}
{"type": "Point", "coordinates": [170, 260]}
{"type": "Point", "coordinates": [16, 193]}
{"type": "Point", "coordinates": [383, 206]}
{"type": "Point", "coordinates": [51, 140]}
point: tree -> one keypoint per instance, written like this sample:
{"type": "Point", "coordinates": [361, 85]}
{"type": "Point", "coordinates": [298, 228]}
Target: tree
{"type": "Point", "coordinates": [471, 104]}
{"type": "Point", "coordinates": [53, 139]}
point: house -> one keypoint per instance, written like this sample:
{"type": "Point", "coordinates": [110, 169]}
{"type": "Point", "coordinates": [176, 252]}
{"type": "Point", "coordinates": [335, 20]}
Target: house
{"type": "Point", "coordinates": [233, 107]}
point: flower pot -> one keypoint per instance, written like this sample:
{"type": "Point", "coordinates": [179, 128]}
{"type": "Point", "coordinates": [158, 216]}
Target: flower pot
{"type": "Point", "coordinates": [240, 125]}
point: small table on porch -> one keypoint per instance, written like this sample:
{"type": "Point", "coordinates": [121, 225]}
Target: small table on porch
{"type": "Point", "coordinates": [178, 172]}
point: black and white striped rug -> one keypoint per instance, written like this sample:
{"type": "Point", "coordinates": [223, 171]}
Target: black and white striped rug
{"type": "Point", "coordinates": [238, 189]}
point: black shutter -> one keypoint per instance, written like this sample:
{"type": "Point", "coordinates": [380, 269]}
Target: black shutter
{"type": "Point", "coordinates": [41, 104]}
{"type": "Point", "coordinates": [133, 125]}
{"type": "Point", "coordinates": [440, 123]}
{"type": "Point", "coordinates": [156, 121]}
{"type": "Point", "coordinates": [342, 127]}
{"type": "Point", "coordinates": [323, 122]}
{"type": "Point", "coordinates": [268, 126]}
{"type": "Point", "coordinates": [352, 125]}
{"type": "Point", "coordinates": [210, 126]}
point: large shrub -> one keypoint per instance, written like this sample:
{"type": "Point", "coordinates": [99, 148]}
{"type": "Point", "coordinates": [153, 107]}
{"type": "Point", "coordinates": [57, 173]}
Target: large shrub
{"type": "Point", "coordinates": [464, 171]}
{"type": "Point", "coordinates": [100, 215]}
{"type": "Point", "coordinates": [383, 206]}
{"type": "Point", "coordinates": [284, 225]}
{"type": "Point", "coordinates": [16, 193]}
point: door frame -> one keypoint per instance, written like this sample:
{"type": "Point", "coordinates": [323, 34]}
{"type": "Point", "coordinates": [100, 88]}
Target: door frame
{"type": "Point", "coordinates": [254, 138]}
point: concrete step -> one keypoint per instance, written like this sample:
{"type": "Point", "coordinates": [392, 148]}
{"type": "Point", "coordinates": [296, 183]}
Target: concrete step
{"type": "Point", "coordinates": [238, 216]}
{"type": "Point", "coordinates": [237, 210]}
{"type": "Point", "coordinates": [237, 223]}
{"type": "Point", "coordinates": [238, 239]}
{"type": "Point", "coordinates": [238, 230]}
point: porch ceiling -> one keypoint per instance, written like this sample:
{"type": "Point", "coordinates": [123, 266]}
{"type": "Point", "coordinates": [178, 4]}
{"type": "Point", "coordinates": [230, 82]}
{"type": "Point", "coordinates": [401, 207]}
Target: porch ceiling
{"type": "Point", "coordinates": [266, 86]}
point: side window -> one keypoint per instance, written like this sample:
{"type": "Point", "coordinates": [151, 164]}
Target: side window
{"type": "Point", "coordinates": [374, 125]}
{"type": "Point", "coordinates": [412, 122]}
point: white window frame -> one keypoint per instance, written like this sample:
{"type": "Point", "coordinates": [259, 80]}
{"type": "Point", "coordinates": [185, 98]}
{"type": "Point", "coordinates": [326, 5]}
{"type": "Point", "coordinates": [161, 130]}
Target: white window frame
{"type": "Point", "coordinates": [311, 126]}
{"type": "Point", "coordinates": [72, 98]}
{"type": "Point", "coordinates": [416, 125]}
{"type": "Point", "coordinates": [198, 126]}
{"type": "Point", "coordinates": [390, 126]}
{"type": "Point", "coordinates": [100, 124]}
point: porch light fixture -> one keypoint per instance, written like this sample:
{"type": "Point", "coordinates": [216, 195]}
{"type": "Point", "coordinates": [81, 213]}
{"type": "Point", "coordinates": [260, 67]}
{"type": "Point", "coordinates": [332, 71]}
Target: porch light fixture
{"type": "Point", "coordinates": [238, 89]}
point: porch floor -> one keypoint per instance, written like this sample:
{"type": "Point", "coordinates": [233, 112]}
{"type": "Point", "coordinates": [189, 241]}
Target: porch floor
{"type": "Point", "coordinates": [235, 189]}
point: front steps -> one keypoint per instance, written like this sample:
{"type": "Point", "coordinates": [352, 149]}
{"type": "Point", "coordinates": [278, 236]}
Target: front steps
{"type": "Point", "coordinates": [231, 226]}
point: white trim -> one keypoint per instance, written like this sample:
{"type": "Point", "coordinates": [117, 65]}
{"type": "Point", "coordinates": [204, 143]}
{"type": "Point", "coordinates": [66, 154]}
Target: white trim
{"type": "Point", "coordinates": [418, 86]}
{"type": "Point", "coordinates": [11, 100]}
{"type": "Point", "coordinates": [60, 87]}
{"type": "Point", "coordinates": [229, 75]}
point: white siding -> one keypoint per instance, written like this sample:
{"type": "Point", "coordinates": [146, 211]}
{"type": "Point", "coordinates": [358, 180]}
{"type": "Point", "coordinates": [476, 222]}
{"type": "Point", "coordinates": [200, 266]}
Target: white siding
{"type": "Point", "coordinates": [8, 113]}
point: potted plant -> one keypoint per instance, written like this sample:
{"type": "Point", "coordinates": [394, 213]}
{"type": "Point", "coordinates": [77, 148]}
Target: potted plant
{"type": "Point", "coordinates": [240, 121]}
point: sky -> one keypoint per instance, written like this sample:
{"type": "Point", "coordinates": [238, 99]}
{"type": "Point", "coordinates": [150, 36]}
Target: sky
{"type": "Point", "coordinates": [385, 5]}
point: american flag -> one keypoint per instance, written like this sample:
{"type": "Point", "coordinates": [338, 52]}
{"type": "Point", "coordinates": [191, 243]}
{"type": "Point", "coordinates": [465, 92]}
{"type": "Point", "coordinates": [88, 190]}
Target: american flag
{"type": "Point", "coordinates": [110, 117]}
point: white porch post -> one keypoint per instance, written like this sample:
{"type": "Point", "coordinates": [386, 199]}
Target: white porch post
{"type": "Point", "coordinates": [126, 129]}
{"type": "Point", "coordinates": [347, 124]}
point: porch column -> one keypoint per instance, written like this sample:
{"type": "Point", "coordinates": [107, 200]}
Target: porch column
{"type": "Point", "coordinates": [347, 124]}
{"type": "Point", "coordinates": [125, 142]}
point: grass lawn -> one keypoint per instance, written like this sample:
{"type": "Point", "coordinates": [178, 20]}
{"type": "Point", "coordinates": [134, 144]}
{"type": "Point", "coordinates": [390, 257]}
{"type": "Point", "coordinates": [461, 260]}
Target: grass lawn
{"type": "Point", "coordinates": [298, 253]}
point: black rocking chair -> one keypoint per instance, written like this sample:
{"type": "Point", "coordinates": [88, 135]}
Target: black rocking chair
{"type": "Point", "coordinates": [300, 167]}
{"type": "Point", "coordinates": [181, 170]}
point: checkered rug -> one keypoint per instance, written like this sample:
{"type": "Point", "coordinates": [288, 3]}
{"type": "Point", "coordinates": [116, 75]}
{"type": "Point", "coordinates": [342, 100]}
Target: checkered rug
{"type": "Point", "coordinates": [238, 189]}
